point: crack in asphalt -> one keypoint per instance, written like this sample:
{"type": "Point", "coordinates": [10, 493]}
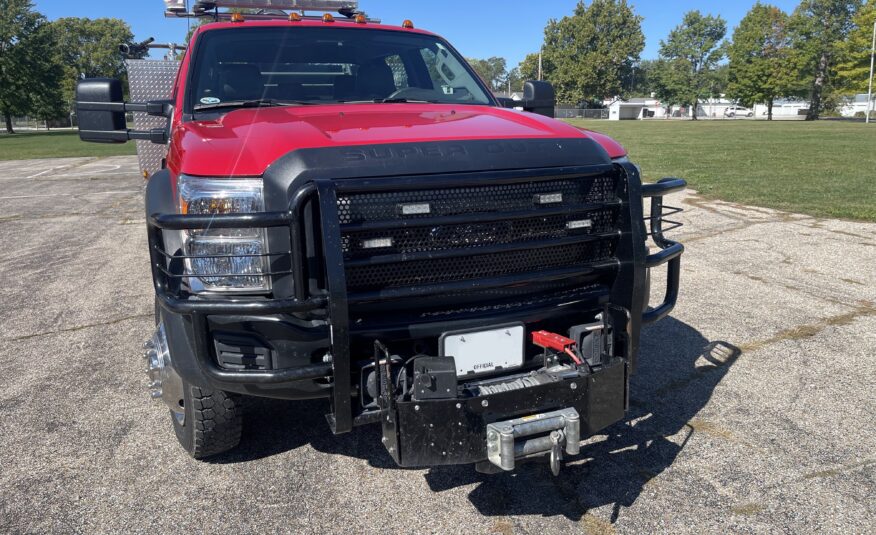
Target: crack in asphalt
{"type": "Point", "coordinates": [808, 330]}
{"type": "Point", "coordinates": [77, 328]}
{"type": "Point", "coordinates": [707, 205]}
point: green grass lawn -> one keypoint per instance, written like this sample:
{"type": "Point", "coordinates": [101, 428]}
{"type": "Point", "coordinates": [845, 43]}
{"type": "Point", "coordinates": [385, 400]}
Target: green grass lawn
{"type": "Point", "coordinates": [57, 144]}
{"type": "Point", "coordinates": [823, 168]}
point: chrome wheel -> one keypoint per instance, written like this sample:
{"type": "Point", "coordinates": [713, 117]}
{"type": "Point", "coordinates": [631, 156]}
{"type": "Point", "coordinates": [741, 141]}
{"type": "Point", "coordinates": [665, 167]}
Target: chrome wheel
{"type": "Point", "coordinates": [164, 383]}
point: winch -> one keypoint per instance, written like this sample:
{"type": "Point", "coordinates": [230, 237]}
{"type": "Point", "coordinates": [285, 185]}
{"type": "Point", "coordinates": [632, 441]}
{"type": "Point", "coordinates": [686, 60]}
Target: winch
{"type": "Point", "coordinates": [532, 436]}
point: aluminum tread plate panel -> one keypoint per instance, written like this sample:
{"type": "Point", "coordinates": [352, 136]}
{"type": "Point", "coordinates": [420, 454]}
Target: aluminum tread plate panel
{"type": "Point", "coordinates": [150, 80]}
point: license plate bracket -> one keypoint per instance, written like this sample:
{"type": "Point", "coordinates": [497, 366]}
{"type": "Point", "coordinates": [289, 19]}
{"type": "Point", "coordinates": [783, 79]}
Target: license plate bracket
{"type": "Point", "coordinates": [485, 349]}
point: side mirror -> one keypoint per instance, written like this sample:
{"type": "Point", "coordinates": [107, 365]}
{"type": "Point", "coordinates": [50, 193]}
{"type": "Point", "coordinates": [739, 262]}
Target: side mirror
{"type": "Point", "coordinates": [539, 97]}
{"type": "Point", "coordinates": [506, 102]}
{"type": "Point", "coordinates": [101, 109]}
{"type": "Point", "coordinates": [100, 126]}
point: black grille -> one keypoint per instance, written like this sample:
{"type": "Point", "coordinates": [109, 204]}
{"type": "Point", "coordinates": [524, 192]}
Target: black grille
{"type": "Point", "coordinates": [454, 201]}
{"type": "Point", "coordinates": [469, 233]}
{"type": "Point", "coordinates": [421, 272]}
{"type": "Point", "coordinates": [442, 237]}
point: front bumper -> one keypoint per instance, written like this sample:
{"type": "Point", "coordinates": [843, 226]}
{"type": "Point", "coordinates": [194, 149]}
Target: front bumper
{"type": "Point", "coordinates": [454, 431]}
{"type": "Point", "coordinates": [600, 398]}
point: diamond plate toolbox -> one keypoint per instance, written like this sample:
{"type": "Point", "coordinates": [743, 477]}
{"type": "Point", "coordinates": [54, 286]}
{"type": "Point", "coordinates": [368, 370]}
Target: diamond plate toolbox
{"type": "Point", "coordinates": [150, 80]}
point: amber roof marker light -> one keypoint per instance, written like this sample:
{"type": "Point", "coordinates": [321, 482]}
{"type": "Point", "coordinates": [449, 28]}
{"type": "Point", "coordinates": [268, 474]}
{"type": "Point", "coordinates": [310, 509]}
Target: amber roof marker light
{"type": "Point", "coordinates": [237, 17]}
{"type": "Point", "coordinates": [328, 18]}
{"type": "Point", "coordinates": [294, 17]}
{"type": "Point", "coordinates": [361, 19]}
{"type": "Point", "coordinates": [408, 24]}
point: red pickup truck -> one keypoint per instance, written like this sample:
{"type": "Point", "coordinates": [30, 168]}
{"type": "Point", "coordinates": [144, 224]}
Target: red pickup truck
{"type": "Point", "coordinates": [343, 210]}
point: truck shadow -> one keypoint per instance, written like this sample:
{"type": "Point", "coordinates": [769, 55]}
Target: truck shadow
{"type": "Point", "coordinates": [678, 371]}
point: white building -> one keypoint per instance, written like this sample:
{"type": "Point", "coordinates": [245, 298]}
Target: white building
{"type": "Point", "coordinates": [635, 108]}
{"type": "Point", "coordinates": [647, 108]}
{"type": "Point", "coordinates": [857, 105]}
{"type": "Point", "coordinates": [783, 109]}
{"type": "Point", "coordinates": [713, 108]}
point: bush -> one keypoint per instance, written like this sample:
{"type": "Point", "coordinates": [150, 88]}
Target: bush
{"type": "Point", "coordinates": [860, 115]}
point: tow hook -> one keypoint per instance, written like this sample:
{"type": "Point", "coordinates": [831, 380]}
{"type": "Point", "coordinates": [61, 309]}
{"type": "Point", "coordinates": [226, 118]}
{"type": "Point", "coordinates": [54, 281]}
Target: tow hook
{"type": "Point", "coordinates": [551, 433]}
{"type": "Point", "coordinates": [557, 439]}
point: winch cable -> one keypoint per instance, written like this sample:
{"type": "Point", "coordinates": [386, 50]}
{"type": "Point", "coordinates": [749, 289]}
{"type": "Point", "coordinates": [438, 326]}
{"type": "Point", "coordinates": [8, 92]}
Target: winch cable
{"type": "Point", "coordinates": [573, 356]}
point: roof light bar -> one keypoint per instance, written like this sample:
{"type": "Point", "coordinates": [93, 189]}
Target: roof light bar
{"type": "Point", "coordinates": [175, 6]}
{"type": "Point", "coordinates": [267, 9]}
{"type": "Point", "coordinates": [306, 5]}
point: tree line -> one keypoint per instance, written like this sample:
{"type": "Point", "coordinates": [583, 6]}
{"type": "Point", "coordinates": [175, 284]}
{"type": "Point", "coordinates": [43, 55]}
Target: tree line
{"type": "Point", "coordinates": [40, 61]}
{"type": "Point", "coordinates": [818, 52]}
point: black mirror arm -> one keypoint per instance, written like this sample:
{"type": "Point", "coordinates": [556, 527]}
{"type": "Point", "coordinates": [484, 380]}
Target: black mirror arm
{"type": "Point", "coordinates": [155, 135]}
{"type": "Point", "coordinates": [157, 108]}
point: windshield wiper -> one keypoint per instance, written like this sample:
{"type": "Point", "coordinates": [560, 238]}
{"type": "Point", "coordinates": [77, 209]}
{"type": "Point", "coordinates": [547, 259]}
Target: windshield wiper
{"type": "Point", "coordinates": [255, 103]}
{"type": "Point", "coordinates": [389, 101]}
{"type": "Point", "coordinates": [404, 101]}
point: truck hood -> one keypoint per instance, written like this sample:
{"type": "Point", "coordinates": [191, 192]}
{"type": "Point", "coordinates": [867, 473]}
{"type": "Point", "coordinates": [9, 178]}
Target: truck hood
{"type": "Point", "coordinates": [246, 142]}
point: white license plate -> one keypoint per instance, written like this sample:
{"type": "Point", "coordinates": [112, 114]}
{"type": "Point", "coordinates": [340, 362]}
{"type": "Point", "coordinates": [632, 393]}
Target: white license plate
{"type": "Point", "coordinates": [478, 352]}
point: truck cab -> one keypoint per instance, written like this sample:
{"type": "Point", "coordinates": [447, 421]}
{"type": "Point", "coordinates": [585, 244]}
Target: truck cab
{"type": "Point", "coordinates": [342, 209]}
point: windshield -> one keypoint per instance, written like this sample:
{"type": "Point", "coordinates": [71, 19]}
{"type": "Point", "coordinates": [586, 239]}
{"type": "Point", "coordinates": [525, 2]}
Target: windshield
{"type": "Point", "coordinates": [297, 66]}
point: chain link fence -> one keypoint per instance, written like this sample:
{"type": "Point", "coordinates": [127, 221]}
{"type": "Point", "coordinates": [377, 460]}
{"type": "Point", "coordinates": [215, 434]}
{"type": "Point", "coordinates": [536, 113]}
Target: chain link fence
{"type": "Point", "coordinates": [577, 113]}
{"type": "Point", "coordinates": [32, 123]}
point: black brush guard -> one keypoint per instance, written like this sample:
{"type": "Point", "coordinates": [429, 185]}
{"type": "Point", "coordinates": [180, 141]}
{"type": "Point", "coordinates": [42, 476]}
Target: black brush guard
{"type": "Point", "coordinates": [600, 398]}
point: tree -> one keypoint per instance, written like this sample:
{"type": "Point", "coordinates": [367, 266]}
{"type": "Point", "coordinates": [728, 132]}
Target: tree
{"type": "Point", "coordinates": [688, 57]}
{"type": "Point", "coordinates": [760, 57]}
{"type": "Point", "coordinates": [90, 48]}
{"type": "Point", "coordinates": [817, 27]}
{"type": "Point", "coordinates": [853, 66]}
{"type": "Point", "coordinates": [513, 80]}
{"type": "Point", "coordinates": [641, 81]}
{"type": "Point", "coordinates": [528, 68]}
{"type": "Point", "coordinates": [589, 54]}
{"type": "Point", "coordinates": [493, 71]}
{"type": "Point", "coordinates": [47, 97]}
{"type": "Point", "coordinates": [28, 61]}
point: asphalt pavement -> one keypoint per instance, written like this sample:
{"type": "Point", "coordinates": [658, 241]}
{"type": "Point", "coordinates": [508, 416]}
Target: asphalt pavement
{"type": "Point", "coordinates": [752, 410]}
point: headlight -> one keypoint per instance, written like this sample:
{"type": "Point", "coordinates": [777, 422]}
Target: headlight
{"type": "Point", "coordinates": [224, 260]}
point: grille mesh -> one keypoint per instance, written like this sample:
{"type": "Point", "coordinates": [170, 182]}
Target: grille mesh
{"type": "Point", "coordinates": [423, 239]}
{"type": "Point", "coordinates": [442, 270]}
{"type": "Point", "coordinates": [362, 207]}
{"type": "Point", "coordinates": [537, 233]}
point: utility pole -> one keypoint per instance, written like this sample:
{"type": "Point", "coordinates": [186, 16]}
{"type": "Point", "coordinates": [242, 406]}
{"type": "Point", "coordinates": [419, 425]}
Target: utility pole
{"type": "Point", "coordinates": [539, 65]}
{"type": "Point", "coordinates": [870, 90]}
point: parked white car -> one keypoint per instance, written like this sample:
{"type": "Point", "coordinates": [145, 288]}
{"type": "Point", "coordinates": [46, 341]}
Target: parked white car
{"type": "Point", "coordinates": [738, 111]}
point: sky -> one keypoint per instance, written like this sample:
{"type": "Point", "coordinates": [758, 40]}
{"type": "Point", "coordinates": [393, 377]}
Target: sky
{"type": "Point", "coordinates": [477, 28]}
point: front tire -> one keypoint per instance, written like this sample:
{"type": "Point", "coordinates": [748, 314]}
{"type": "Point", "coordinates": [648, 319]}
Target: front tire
{"type": "Point", "coordinates": [213, 421]}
